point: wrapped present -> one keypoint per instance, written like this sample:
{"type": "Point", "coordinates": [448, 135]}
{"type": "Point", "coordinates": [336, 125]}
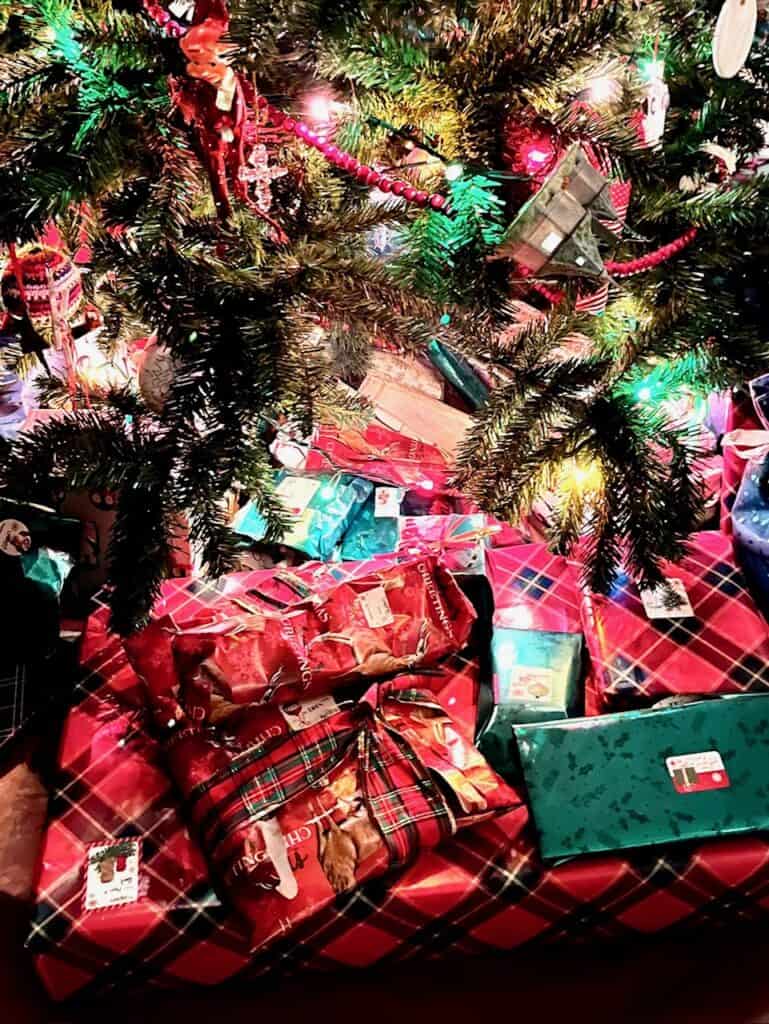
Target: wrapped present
{"type": "Point", "coordinates": [641, 778]}
{"type": "Point", "coordinates": [459, 373]}
{"type": "Point", "coordinates": [536, 647]}
{"type": "Point", "coordinates": [739, 448]}
{"type": "Point", "coordinates": [460, 541]}
{"type": "Point", "coordinates": [504, 535]}
{"type": "Point", "coordinates": [750, 518]}
{"type": "Point", "coordinates": [48, 568]}
{"type": "Point", "coordinates": [536, 674]}
{"type": "Point", "coordinates": [398, 618]}
{"type": "Point", "coordinates": [741, 415]}
{"type": "Point", "coordinates": [374, 531]}
{"type": "Point", "coordinates": [533, 589]}
{"type": "Point", "coordinates": [309, 800]}
{"type": "Point", "coordinates": [321, 509]}
{"type": "Point", "coordinates": [702, 634]}
{"type": "Point", "coordinates": [118, 870]}
{"type": "Point", "coordinates": [759, 394]}
{"type": "Point", "coordinates": [416, 415]}
{"type": "Point", "coordinates": [408, 370]}
{"type": "Point", "coordinates": [483, 891]}
{"type": "Point", "coordinates": [375, 452]}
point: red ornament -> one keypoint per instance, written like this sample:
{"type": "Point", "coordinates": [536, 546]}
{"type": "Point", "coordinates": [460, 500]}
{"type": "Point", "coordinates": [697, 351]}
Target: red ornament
{"type": "Point", "coordinates": [530, 148]}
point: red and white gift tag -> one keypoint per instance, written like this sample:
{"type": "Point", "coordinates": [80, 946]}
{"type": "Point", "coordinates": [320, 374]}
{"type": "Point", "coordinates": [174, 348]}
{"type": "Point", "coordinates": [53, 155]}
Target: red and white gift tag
{"type": "Point", "coordinates": [697, 773]}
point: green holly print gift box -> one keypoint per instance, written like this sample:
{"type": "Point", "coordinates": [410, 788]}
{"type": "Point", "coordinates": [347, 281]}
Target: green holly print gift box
{"type": "Point", "coordinates": [639, 778]}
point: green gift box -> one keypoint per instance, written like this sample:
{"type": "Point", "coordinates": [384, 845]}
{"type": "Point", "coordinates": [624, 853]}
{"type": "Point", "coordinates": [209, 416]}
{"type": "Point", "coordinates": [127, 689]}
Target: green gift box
{"type": "Point", "coordinates": [536, 677]}
{"type": "Point", "coordinates": [639, 778]}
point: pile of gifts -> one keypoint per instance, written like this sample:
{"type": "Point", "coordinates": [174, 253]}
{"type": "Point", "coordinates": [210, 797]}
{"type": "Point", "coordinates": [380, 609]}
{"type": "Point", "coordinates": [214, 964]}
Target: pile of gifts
{"type": "Point", "coordinates": [410, 728]}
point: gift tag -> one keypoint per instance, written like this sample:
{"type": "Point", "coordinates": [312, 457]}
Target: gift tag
{"type": "Point", "coordinates": [387, 502]}
{"type": "Point", "coordinates": [183, 9]}
{"type": "Point", "coordinates": [302, 714]}
{"type": "Point", "coordinates": [733, 38]}
{"type": "Point", "coordinates": [15, 538]}
{"type": "Point", "coordinates": [696, 773]}
{"type": "Point", "coordinates": [376, 608]}
{"type": "Point", "coordinates": [657, 604]}
{"type": "Point", "coordinates": [469, 560]}
{"type": "Point", "coordinates": [297, 492]}
{"type": "Point", "coordinates": [526, 683]}
{"type": "Point", "coordinates": [112, 874]}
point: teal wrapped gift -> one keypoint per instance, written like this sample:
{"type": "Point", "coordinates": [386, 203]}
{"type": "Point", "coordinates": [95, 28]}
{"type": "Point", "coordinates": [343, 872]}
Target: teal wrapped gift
{"type": "Point", "coordinates": [48, 568]}
{"type": "Point", "coordinates": [536, 678]}
{"type": "Point", "coordinates": [321, 509]}
{"type": "Point", "coordinates": [640, 778]}
{"type": "Point", "coordinates": [369, 535]}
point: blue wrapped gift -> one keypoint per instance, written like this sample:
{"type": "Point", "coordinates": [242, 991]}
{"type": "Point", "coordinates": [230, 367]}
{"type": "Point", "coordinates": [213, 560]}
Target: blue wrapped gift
{"type": "Point", "coordinates": [369, 534]}
{"type": "Point", "coordinates": [750, 521]}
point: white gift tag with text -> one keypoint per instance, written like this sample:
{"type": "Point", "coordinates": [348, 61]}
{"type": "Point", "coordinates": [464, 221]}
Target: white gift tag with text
{"type": "Point", "coordinates": [376, 608]}
{"type": "Point", "coordinates": [387, 502]}
{"type": "Point", "coordinates": [302, 714]}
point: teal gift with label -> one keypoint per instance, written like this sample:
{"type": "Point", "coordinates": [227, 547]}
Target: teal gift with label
{"type": "Point", "coordinates": [536, 677]}
{"type": "Point", "coordinates": [641, 778]}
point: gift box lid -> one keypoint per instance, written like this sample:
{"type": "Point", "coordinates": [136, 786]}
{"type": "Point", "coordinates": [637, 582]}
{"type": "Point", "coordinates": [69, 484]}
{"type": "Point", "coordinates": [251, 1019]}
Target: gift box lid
{"type": "Point", "coordinates": [638, 778]}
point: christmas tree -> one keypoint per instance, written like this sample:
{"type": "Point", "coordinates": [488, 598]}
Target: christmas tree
{"type": "Point", "coordinates": [557, 194]}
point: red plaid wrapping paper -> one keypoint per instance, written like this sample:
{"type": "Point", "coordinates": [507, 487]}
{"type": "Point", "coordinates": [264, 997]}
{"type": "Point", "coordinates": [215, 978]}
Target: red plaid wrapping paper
{"type": "Point", "coordinates": [533, 589]}
{"type": "Point", "coordinates": [483, 891]}
{"type": "Point", "coordinates": [724, 648]}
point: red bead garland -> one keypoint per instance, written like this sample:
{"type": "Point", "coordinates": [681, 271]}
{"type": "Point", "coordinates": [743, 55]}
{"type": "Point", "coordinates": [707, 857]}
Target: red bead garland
{"type": "Point", "coordinates": [347, 162]}
{"type": "Point", "coordinates": [303, 131]}
{"type": "Point", "coordinates": [652, 259]}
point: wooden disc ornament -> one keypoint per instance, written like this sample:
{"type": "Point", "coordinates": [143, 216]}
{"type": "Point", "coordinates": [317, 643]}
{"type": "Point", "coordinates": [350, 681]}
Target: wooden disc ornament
{"type": "Point", "coordinates": [733, 38]}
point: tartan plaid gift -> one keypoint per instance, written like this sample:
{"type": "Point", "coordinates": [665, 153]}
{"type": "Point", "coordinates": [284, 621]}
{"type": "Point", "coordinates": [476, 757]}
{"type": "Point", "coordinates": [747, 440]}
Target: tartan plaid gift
{"type": "Point", "coordinates": [720, 644]}
{"type": "Point", "coordinates": [299, 803]}
{"type": "Point", "coordinates": [482, 891]}
{"type": "Point", "coordinates": [533, 589]}
{"type": "Point", "coordinates": [157, 920]}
